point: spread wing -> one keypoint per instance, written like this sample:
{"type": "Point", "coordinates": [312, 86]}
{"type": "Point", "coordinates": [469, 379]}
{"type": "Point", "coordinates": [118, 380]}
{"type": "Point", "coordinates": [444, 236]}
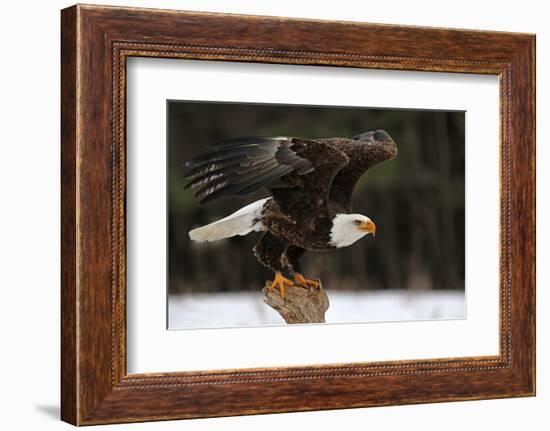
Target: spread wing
{"type": "Point", "coordinates": [296, 171]}
{"type": "Point", "coordinates": [364, 151]}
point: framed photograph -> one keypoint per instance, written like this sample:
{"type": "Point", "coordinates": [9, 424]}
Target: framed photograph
{"type": "Point", "coordinates": [263, 214]}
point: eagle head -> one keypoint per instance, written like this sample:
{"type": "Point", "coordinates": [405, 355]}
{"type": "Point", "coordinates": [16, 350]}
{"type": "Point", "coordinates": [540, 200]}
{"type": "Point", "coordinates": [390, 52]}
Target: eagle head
{"type": "Point", "coordinates": [348, 228]}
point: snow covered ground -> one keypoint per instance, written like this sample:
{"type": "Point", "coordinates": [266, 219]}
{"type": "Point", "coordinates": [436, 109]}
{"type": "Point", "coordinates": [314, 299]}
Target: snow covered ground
{"type": "Point", "coordinates": [211, 310]}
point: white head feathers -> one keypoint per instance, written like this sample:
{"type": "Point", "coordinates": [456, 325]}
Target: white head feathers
{"type": "Point", "coordinates": [348, 228]}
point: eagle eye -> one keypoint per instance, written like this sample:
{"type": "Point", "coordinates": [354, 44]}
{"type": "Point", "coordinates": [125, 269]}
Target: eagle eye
{"type": "Point", "coordinates": [357, 222]}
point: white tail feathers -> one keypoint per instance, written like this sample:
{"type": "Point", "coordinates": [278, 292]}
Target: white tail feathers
{"type": "Point", "coordinates": [241, 222]}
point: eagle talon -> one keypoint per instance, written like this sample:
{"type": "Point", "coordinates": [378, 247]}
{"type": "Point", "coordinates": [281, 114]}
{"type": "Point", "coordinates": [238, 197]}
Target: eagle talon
{"type": "Point", "coordinates": [306, 283]}
{"type": "Point", "coordinates": [281, 282]}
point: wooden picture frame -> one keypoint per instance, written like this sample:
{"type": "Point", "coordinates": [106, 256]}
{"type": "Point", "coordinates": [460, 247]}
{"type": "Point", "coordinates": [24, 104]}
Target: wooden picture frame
{"type": "Point", "coordinates": [96, 41]}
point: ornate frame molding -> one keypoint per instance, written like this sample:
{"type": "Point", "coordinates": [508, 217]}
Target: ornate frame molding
{"type": "Point", "coordinates": [96, 41]}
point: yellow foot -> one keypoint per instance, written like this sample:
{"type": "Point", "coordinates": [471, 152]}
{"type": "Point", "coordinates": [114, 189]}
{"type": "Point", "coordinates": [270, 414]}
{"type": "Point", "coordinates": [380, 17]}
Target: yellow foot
{"type": "Point", "coordinates": [301, 281]}
{"type": "Point", "coordinates": [281, 282]}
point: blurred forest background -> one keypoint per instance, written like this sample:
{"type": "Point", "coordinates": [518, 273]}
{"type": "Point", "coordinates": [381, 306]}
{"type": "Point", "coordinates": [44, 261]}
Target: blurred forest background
{"type": "Point", "coordinates": [416, 201]}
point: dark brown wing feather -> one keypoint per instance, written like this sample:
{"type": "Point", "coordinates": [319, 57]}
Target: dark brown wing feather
{"type": "Point", "coordinates": [364, 151]}
{"type": "Point", "coordinates": [306, 196]}
{"type": "Point", "coordinates": [296, 171]}
{"type": "Point", "coordinates": [240, 166]}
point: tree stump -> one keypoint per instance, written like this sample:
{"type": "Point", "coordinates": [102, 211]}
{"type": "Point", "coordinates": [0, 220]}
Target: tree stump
{"type": "Point", "coordinates": [300, 305]}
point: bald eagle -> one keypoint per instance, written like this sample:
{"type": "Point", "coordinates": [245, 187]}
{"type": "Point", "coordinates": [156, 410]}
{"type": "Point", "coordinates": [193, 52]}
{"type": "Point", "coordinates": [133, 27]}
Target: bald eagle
{"type": "Point", "coordinates": [310, 182]}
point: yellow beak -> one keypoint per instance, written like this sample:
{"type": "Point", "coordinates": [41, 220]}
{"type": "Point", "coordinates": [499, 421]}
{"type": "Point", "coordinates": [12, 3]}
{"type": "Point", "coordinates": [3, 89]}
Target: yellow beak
{"type": "Point", "coordinates": [368, 227]}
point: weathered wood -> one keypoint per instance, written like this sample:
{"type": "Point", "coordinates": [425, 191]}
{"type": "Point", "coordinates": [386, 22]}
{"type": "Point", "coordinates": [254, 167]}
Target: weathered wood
{"type": "Point", "coordinates": [299, 305]}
